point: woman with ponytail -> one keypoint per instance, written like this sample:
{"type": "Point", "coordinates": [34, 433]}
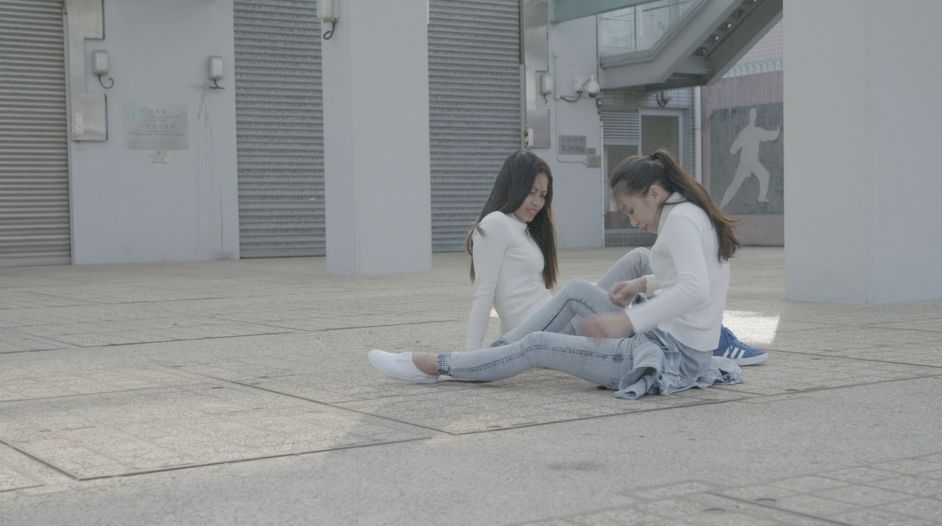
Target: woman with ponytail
{"type": "Point", "coordinates": [663, 345]}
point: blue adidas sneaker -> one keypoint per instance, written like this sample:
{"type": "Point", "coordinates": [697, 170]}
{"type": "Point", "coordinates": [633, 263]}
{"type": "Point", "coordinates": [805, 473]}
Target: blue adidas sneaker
{"type": "Point", "coordinates": [737, 351]}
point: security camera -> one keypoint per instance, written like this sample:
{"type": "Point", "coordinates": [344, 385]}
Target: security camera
{"type": "Point", "coordinates": [592, 87]}
{"type": "Point", "coordinates": [583, 84]}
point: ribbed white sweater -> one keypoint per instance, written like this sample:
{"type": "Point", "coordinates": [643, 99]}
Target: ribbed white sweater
{"type": "Point", "coordinates": [508, 268]}
{"type": "Point", "coordinates": [689, 281]}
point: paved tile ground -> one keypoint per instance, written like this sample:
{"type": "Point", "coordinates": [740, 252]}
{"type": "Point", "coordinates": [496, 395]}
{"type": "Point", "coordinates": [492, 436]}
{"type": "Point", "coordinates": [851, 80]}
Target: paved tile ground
{"type": "Point", "coordinates": [239, 393]}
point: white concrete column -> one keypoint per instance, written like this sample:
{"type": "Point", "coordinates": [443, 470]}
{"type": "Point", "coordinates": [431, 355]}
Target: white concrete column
{"type": "Point", "coordinates": [147, 200]}
{"type": "Point", "coordinates": [863, 184]}
{"type": "Point", "coordinates": [578, 190]}
{"type": "Point", "coordinates": [376, 139]}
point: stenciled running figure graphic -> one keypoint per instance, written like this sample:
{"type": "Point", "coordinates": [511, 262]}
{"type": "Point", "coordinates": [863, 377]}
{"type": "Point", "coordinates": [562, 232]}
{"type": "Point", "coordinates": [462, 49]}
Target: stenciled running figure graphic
{"type": "Point", "coordinates": [747, 142]}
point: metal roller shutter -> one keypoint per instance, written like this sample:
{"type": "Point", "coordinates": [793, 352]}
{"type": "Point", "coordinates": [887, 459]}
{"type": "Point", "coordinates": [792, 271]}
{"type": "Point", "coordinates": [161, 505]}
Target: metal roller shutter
{"type": "Point", "coordinates": [34, 171]}
{"type": "Point", "coordinates": [279, 125]}
{"type": "Point", "coordinates": [621, 126]}
{"type": "Point", "coordinates": [474, 107]}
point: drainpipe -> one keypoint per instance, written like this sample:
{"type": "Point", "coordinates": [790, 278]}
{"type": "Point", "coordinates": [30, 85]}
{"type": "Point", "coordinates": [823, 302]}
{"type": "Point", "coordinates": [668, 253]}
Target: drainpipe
{"type": "Point", "coordinates": [697, 138]}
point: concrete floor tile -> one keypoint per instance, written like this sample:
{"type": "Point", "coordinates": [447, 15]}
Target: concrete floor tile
{"type": "Point", "coordinates": [673, 508]}
{"type": "Point", "coordinates": [627, 517]}
{"type": "Point", "coordinates": [808, 484]}
{"type": "Point", "coordinates": [673, 490]}
{"type": "Point", "coordinates": [254, 359]}
{"type": "Point", "coordinates": [17, 471]}
{"type": "Point", "coordinates": [878, 517]}
{"type": "Point", "coordinates": [811, 505]}
{"type": "Point", "coordinates": [861, 475]}
{"type": "Point", "coordinates": [92, 441]}
{"type": "Point", "coordinates": [12, 341]}
{"type": "Point", "coordinates": [860, 495]}
{"type": "Point", "coordinates": [765, 494]}
{"type": "Point", "coordinates": [501, 405]}
{"type": "Point", "coordinates": [65, 378]}
{"type": "Point", "coordinates": [925, 509]}
{"type": "Point", "coordinates": [911, 466]}
{"type": "Point", "coordinates": [919, 486]}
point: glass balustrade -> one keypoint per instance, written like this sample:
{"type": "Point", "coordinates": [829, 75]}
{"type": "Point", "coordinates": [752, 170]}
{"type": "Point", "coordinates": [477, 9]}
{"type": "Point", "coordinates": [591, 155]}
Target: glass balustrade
{"type": "Point", "coordinates": [639, 28]}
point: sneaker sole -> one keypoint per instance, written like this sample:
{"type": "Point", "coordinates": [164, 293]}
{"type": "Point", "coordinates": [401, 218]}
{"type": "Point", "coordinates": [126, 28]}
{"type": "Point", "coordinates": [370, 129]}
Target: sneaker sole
{"type": "Point", "coordinates": [755, 360]}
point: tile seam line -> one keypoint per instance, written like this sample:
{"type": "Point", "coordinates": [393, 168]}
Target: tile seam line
{"type": "Point", "coordinates": [29, 455]}
{"type": "Point", "coordinates": [842, 357]}
{"type": "Point", "coordinates": [791, 512]}
{"type": "Point", "coordinates": [287, 330]}
{"type": "Point", "coordinates": [627, 508]}
{"type": "Point", "coordinates": [33, 486]}
{"type": "Point", "coordinates": [25, 351]}
{"type": "Point", "coordinates": [830, 388]}
{"type": "Point", "coordinates": [568, 420]}
{"type": "Point", "coordinates": [659, 409]}
{"type": "Point", "coordinates": [98, 393]}
{"type": "Point", "coordinates": [319, 402]}
{"type": "Point", "coordinates": [245, 460]}
{"type": "Point", "coordinates": [202, 338]}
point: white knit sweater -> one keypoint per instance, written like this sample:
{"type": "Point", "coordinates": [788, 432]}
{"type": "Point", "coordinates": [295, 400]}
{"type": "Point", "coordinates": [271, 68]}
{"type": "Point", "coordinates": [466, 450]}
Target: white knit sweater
{"type": "Point", "coordinates": [689, 281]}
{"type": "Point", "coordinates": [508, 268]}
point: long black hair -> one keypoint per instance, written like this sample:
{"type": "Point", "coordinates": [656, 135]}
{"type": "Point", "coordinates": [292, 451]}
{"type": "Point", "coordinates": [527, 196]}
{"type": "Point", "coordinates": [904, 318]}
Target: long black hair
{"type": "Point", "coordinates": [636, 174]}
{"type": "Point", "coordinates": [511, 188]}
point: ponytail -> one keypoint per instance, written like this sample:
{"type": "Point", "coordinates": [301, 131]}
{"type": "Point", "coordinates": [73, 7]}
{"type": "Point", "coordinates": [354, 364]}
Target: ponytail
{"type": "Point", "coordinates": [637, 173]}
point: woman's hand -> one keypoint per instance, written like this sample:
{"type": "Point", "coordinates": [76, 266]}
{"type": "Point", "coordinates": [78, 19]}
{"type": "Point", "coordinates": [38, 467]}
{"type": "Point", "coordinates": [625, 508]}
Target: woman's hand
{"type": "Point", "coordinates": [624, 291]}
{"type": "Point", "coordinates": [607, 326]}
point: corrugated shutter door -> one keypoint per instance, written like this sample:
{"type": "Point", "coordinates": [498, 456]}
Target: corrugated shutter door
{"type": "Point", "coordinates": [279, 125]}
{"type": "Point", "coordinates": [34, 172]}
{"type": "Point", "coordinates": [474, 107]}
{"type": "Point", "coordinates": [622, 127]}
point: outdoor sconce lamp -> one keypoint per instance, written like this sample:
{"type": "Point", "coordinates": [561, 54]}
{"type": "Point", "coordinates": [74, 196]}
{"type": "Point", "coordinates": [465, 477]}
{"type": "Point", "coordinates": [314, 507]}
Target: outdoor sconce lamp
{"type": "Point", "coordinates": [325, 11]}
{"type": "Point", "coordinates": [100, 64]}
{"type": "Point", "coordinates": [215, 71]}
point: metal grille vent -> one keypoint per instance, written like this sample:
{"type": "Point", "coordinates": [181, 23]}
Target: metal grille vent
{"type": "Point", "coordinates": [279, 121]}
{"type": "Point", "coordinates": [34, 172]}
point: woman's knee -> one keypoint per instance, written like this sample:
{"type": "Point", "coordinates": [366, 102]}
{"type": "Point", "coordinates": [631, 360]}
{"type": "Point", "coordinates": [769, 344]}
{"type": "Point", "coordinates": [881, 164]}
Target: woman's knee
{"type": "Point", "coordinates": [577, 288]}
{"type": "Point", "coordinates": [638, 255]}
{"type": "Point", "coordinates": [529, 346]}
{"type": "Point", "coordinates": [534, 340]}
{"type": "Point", "coordinates": [534, 348]}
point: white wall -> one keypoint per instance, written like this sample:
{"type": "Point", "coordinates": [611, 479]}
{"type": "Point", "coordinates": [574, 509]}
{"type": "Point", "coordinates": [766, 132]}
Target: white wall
{"type": "Point", "coordinates": [578, 190]}
{"type": "Point", "coordinates": [124, 207]}
{"type": "Point", "coordinates": [863, 181]}
{"type": "Point", "coordinates": [376, 139]}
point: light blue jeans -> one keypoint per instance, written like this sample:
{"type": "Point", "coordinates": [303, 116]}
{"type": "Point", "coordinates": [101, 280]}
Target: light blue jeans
{"type": "Point", "coordinates": [634, 264]}
{"type": "Point", "coordinates": [653, 362]}
{"type": "Point", "coordinates": [580, 299]}
{"type": "Point", "coordinates": [600, 362]}
{"type": "Point", "coordinates": [549, 337]}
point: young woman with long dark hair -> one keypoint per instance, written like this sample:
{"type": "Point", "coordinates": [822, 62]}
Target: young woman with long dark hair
{"type": "Point", "coordinates": [513, 247]}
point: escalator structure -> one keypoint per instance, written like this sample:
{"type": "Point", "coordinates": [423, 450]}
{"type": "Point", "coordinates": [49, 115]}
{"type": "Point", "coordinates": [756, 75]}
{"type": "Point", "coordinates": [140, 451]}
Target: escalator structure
{"type": "Point", "coordinates": [657, 45]}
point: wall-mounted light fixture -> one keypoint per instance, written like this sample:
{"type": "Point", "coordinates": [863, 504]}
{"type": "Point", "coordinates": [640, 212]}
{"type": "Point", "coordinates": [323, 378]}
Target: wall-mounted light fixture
{"type": "Point", "coordinates": [89, 115]}
{"type": "Point", "coordinates": [662, 98]}
{"type": "Point", "coordinates": [546, 85]}
{"type": "Point", "coordinates": [215, 71]}
{"type": "Point", "coordinates": [100, 66]}
{"type": "Point", "coordinates": [327, 14]}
